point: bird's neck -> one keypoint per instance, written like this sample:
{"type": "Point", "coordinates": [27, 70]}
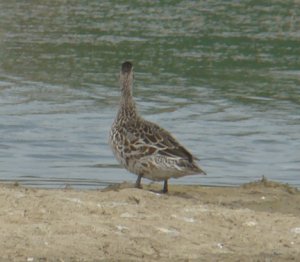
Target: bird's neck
{"type": "Point", "coordinates": [127, 105]}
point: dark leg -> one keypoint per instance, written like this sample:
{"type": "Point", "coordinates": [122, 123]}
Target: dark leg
{"type": "Point", "coordinates": [165, 189]}
{"type": "Point", "coordinates": [138, 181]}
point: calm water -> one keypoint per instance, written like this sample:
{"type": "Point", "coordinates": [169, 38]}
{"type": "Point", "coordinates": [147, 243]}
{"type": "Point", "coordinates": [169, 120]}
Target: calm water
{"type": "Point", "coordinates": [224, 77]}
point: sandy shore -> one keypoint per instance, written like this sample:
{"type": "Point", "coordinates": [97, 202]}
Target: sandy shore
{"type": "Point", "coordinates": [255, 222]}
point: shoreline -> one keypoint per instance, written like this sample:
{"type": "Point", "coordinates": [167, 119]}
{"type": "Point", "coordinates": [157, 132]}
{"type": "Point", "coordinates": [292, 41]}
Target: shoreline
{"type": "Point", "coordinates": [256, 221]}
{"type": "Point", "coordinates": [92, 184]}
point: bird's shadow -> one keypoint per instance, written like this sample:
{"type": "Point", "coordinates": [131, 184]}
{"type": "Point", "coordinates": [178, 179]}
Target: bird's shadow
{"type": "Point", "coordinates": [152, 187]}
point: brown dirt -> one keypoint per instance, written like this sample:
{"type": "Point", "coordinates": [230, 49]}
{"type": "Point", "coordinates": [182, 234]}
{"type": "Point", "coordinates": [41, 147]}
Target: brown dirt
{"type": "Point", "coordinates": [255, 222]}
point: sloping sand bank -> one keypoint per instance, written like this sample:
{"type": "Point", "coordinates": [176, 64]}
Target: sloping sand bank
{"type": "Point", "coordinates": [255, 222]}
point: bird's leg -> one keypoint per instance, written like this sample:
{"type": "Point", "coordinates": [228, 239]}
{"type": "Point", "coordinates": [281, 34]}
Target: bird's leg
{"type": "Point", "coordinates": [138, 181]}
{"type": "Point", "coordinates": [165, 189]}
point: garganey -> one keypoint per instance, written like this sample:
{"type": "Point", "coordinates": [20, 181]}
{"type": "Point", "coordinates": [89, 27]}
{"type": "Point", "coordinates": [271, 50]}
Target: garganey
{"type": "Point", "coordinates": [143, 147]}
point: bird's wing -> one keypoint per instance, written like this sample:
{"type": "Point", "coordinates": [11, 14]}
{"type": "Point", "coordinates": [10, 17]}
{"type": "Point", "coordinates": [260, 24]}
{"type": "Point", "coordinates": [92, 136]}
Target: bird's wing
{"type": "Point", "coordinates": [148, 138]}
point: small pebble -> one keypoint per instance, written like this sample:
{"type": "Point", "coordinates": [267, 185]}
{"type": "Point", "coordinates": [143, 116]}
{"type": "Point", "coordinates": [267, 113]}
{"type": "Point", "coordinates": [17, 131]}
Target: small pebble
{"type": "Point", "coordinates": [296, 230]}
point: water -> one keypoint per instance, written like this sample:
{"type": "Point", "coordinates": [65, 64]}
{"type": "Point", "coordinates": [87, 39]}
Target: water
{"type": "Point", "coordinates": [224, 77]}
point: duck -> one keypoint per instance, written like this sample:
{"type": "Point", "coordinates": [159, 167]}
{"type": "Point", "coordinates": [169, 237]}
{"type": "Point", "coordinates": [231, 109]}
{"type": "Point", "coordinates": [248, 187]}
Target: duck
{"type": "Point", "coordinates": [143, 147]}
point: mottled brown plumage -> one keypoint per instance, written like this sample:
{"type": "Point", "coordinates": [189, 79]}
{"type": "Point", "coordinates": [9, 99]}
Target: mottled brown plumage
{"type": "Point", "coordinates": [143, 147]}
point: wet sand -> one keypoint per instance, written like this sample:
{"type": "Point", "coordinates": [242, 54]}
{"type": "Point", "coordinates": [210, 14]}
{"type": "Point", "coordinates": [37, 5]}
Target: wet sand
{"type": "Point", "coordinates": [258, 221]}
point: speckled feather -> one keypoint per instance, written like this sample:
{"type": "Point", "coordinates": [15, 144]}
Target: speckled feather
{"type": "Point", "coordinates": [143, 147]}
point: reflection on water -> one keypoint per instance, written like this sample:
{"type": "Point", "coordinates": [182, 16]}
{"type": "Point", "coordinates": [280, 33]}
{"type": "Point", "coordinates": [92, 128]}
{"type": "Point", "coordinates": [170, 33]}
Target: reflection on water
{"type": "Point", "coordinates": [223, 77]}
